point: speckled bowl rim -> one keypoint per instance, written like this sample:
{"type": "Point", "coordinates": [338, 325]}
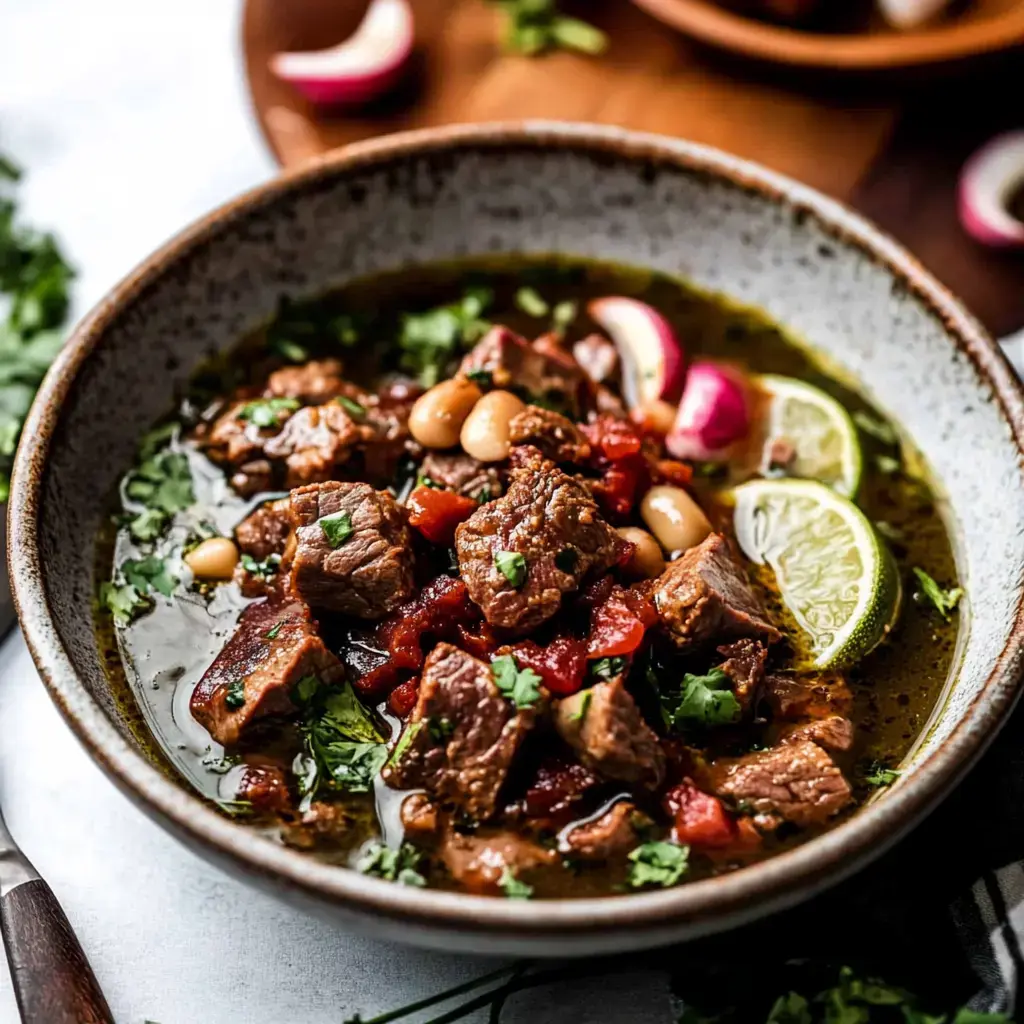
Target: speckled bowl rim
{"type": "Point", "coordinates": [627, 921]}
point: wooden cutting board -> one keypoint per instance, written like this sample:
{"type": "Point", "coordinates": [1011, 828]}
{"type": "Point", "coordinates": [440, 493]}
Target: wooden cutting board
{"type": "Point", "coordinates": [891, 148]}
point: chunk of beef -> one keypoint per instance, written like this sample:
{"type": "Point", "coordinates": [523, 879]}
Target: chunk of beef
{"type": "Point", "coordinates": [705, 596]}
{"type": "Point", "coordinates": [798, 782]}
{"type": "Point", "coordinates": [536, 371]}
{"type": "Point", "coordinates": [253, 675]}
{"type": "Point", "coordinates": [797, 697]}
{"type": "Point", "coordinates": [552, 522]}
{"type": "Point", "coordinates": [265, 531]}
{"type": "Point", "coordinates": [463, 474]}
{"type": "Point", "coordinates": [552, 799]}
{"type": "Point", "coordinates": [265, 787]}
{"type": "Point", "coordinates": [238, 444]}
{"type": "Point", "coordinates": [598, 357]}
{"type": "Point", "coordinates": [611, 835]}
{"type": "Point", "coordinates": [833, 732]}
{"type": "Point", "coordinates": [420, 817]}
{"type": "Point", "coordinates": [462, 734]}
{"type": "Point", "coordinates": [315, 442]}
{"type": "Point", "coordinates": [312, 383]}
{"type": "Point", "coordinates": [744, 665]}
{"type": "Point", "coordinates": [325, 823]}
{"type": "Point", "coordinates": [477, 862]}
{"type": "Point", "coordinates": [367, 573]}
{"type": "Point", "coordinates": [387, 417]}
{"type": "Point", "coordinates": [556, 437]}
{"type": "Point", "coordinates": [605, 727]}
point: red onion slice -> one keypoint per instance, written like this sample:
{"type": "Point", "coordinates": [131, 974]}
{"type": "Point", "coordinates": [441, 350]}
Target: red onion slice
{"type": "Point", "coordinates": [714, 413]}
{"type": "Point", "coordinates": [988, 182]}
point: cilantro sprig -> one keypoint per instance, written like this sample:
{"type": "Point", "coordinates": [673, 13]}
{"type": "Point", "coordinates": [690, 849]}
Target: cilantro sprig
{"type": "Point", "coordinates": [536, 26]}
{"type": "Point", "coordinates": [393, 865]}
{"type": "Point", "coordinates": [430, 340]}
{"type": "Point", "coordinates": [521, 686]}
{"type": "Point", "coordinates": [704, 701]}
{"type": "Point", "coordinates": [658, 863]}
{"type": "Point", "coordinates": [943, 599]}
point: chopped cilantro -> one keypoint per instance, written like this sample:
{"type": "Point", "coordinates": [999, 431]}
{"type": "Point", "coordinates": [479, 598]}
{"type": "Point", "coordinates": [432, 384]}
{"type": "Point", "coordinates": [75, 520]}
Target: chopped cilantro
{"type": "Point", "coordinates": [149, 572]}
{"type": "Point", "coordinates": [305, 689]}
{"type": "Point", "coordinates": [512, 566]}
{"type": "Point", "coordinates": [440, 729]}
{"type": "Point", "coordinates": [235, 696]}
{"type": "Point", "coordinates": [353, 408]}
{"type": "Point", "coordinates": [512, 887]}
{"type": "Point", "coordinates": [531, 303]}
{"type": "Point", "coordinates": [484, 494]}
{"type": "Point", "coordinates": [521, 686]}
{"type": "Point", "coordinates": [701, 700]}
{"type": "Point", "coordinates": [879, 775]}
{"type": "Point", "coordinates": [123, 602]}
{"type": "Point", "coordinates": [875, 427]}
{"type": "Point", "coordinates": [162, 482]}
{"type": "Point", "coordinates": [942, 599]}
{"type": "Point", "coordinates": [337, 528]}
{"type": "Point", "coordinates": [275, 629]}
{"type": "Point", "coordinates": [608, 668]}
{"type": "Point", "coordinates": [535, 26]}
{"type": "Point", "coordinates": [581, 712]}
{"type": "Point", "coordinates": [267, 412]}
{"type": "Point", "coordinates": [563, 315]}
{"type": "Point", "coordinates": [430, 340]}
{"type": "Point", "coordinates": [429, 481]}
{"type": "Point", "coordinates": [482, 378]}
{"type": "Point", "coordinates": [392, 865]}
{"type": "Point", "coordinates": [791, 1008]}
{"type": "Point", "coordinates": [409, 733]}
{"type": "Point", "coordinates": [567, 560]}
{"type": "Point", "coordinates": [658, 863]}
{"type": "Point", "coordinates": [261, 570]}
{"type": "Point", "coordinates": [149, 524]}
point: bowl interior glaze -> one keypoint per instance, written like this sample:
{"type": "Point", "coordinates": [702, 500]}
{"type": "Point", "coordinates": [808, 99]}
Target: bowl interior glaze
{"type": "Point", "coordinates": [675, 207]}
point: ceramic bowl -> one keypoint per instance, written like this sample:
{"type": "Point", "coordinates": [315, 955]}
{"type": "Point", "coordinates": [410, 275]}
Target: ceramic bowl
{"type": "Point", "coordinates": [683, 209]}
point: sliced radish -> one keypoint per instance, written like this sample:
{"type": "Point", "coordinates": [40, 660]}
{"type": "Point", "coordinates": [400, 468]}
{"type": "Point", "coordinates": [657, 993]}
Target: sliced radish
{"type": "Point", "coordinates": [714, 413]}
{"type": "Point", "coordinates": [988, 181]}
{"type": "Point", "coordinates": [361, 68]}
{"type": "Point", "coordinates": [652, 358]}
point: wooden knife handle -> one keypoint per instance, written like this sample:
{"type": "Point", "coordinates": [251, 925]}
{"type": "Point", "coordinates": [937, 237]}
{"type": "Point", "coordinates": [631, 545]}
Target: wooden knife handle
{"type": "Point", "coordinates": [53, 981]}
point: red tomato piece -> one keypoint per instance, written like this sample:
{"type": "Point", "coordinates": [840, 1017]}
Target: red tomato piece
{"type": "Point", "coordinates": [478, 640]}
{"type": "Point", "coordinates": [618, 624]}
{"type": "Point", "coordinates": [403, 697]}
{"type": "Point", "coordinates": [557, 787]}
{"type": "Point", "coordinates": [436, 513]}
{"type": "Point", "coordinates": [614, 438]}
{"type": "Point", "coordinates": [562, 664]}
{"type": "Point", "coordinates": [699, 819]}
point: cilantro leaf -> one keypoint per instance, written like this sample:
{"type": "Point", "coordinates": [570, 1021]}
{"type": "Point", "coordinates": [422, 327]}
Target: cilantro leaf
{"type": "Point", "coordinates": [149, 572]}
{"type": "Point", "coordinates": [791, 1008]}
{"type": "Point", "coordinates": [272, 634]}
{"type": "Point", "coordinates": [942, 599]}
{"type": "Point", "coordinates": [563, 315]}
{"type": "Point", "coordinates": [581, 711]}
{"type": "Point", "coordinates": [352, 407]}
{"type": "Point", "coordinates": [261, 570]}
{"type": "Point", "coordinates": [401, 865]}
{"type": "Point", "coordinates": [658, 863]}
{"type": "Point", "coordinates": [512, 566]}
{"type": "Point", "coordinates": [521, 686]}
{"type": "Point", "coordinates": [512, 887]}
{"type": "Point", "coordinates": [123, 602]}
{"type": "Point", "coordinates": [531, 303]}
{"type": "Point", "coordinates": [409, 733]}
{"type": "Point", "coordinates": [267, 412]}
{"type": "Point", "coordinates": [879, 775]}
{"type": "Point", "coordinates": [162, 482]}
{"type": "Point", "coordinates": [430, 340]}
{"type": "Point", "coordinates": [704, 701]}
{"type": "Point", "coordinates": [149, 524]}
{"type": "Point", "coordinates": [440, 729]}
{"type": "Point", "coordinates": [535, 26]}
{"type": "Point", "coordinates": [608, 668]}
{"type": "Point", "coordinates": [482, 378]}
{"type": "Point", "coordinates": [336, 527]}
{"type": "Point", "coordinates": [235, 696]}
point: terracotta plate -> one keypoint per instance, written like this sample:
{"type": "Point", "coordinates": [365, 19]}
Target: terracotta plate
{"type": "Point", "coordinates": [984, 29]}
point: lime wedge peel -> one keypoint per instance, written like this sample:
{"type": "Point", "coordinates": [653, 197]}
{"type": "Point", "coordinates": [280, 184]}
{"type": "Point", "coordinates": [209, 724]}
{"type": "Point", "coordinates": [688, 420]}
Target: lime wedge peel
{"type": "Point", "coordinates": [820, 430]}
{"type": "Point", "coordinates": [834, 573]}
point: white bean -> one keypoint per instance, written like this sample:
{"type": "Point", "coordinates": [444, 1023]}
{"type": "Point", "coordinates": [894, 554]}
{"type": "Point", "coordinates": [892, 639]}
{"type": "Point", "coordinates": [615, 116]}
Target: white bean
{"type": "Point", "coordinates": [485, 434]}
{"type": "Point", "coordinates": [437, 415]}
{"type": "Point", "coordinates": [674, 518]}
{"type": "Point", "coordinates": [647, 560]}
{"type": "Point", "coordinates": [213, 559]}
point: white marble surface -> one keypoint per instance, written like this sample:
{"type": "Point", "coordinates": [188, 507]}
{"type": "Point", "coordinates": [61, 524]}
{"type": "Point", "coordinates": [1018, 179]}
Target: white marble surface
{"type": "Point", "coordinates": [132, 120]}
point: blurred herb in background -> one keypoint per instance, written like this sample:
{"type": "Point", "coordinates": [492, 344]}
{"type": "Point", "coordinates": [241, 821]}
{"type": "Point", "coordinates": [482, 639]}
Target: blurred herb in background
{"type": "Point", "coordinates": [536, 26]}
{"type": "Point", "coordinates": [34, 285]}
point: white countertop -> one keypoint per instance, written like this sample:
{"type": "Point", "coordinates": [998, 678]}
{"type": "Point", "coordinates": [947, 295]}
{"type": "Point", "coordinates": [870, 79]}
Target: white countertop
{"type": "Point", "coordinates": [131, 119]}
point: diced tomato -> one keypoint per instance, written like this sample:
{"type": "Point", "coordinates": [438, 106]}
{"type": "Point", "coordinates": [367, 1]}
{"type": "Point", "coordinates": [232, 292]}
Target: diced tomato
{"type": "Point", "coordinates": [436, 513]}
{"type": "Point", "coordinates": [699, 819]}
{"type": "Point", "coordinates": [616, 490]}
{"type": "Point", "coordinates": [403, 698]}
{"type": "Point", "coordinates": [478, 640]}
{"type": "Point", "coordinates": [562, 664]}
{"type": "Point", "coordinates": [557, 787]}
{"type": "Point", "coordinates": [440, 607]}
{"type": "Point", "coordinates": [747, 834]}
{"type": "Point", "coordinates": [614, 438]}
{"type": "Point", "coordinates": [619, 622]}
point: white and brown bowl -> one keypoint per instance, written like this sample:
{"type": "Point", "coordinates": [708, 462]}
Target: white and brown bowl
{"type": "Point", "coordinates": [717, 221]}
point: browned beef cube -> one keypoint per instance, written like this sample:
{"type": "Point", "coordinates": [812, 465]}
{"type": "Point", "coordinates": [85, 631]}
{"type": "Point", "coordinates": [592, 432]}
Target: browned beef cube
{"type": "Point", "coordinates": [461, 736]}
{"type": "Point", "coordinates": [463, 474]}
{"type": "Point", "coordinates": [315, 442]}
{"type": "Point", "coordinates": [554, 436]}
{"type": "Point", "coordinates": [274, 646]}
{"type": "Point", "coordinates": [798, 782]}
{"type": "Point", "coordinates": [518, 555]}
{"type": "Point", "coordinates": [598, 357]}
{"type": "Point", "coordinates": [833, 732]}
{"type": "Point", "coordinates": [420, 817]}
{"type": "Point", "coordinates": [312, 383]}
{"type": "Point", "coordinates": [794, 698]}
{"type": "Point", "coordinates": [537, 371]}
{"type": "Point", "coordinates": [477, 862]}
{"type": "Point", "coordinates": [353, 549]}
{"type": "Point", "coordinates": [744, 665]}
{"type": "Point", "coordinates": [705, 596]}
{"type": "Point", "coordinates": [265, 531]}
{"type": "Point", "coordinates": [614, 834]}
{"type": "Point", "coordinates": [604, 726]}
{"type": "Point", "coordinates": [265, 787]}
{"type": "Point", "coordinates": [237, 443]}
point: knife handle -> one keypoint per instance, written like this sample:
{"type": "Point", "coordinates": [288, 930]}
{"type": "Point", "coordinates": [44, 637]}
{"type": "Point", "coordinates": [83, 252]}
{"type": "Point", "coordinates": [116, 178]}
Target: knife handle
{"type": "Point", "coordinates": [53, 981]}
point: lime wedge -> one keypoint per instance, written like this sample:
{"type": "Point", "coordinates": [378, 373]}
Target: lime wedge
{"type": "Point", "coordinates": [833, 572]}
{"type": "Point", "coordinates": [819, 430]}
